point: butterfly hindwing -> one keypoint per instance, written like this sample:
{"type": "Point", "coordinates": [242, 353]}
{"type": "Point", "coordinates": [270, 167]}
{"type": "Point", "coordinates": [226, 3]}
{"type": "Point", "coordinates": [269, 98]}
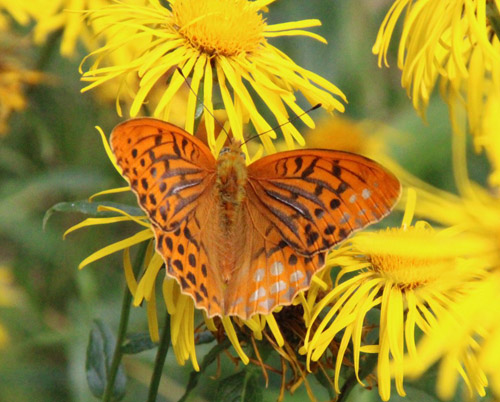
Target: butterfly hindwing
{"type": "Point", "coordinates": [270, 272]}
{"type": "Point", "coordinates": [186, 252]}
{"type": "Point", "coordinates": [317, 198]}
{"type": "Point", "coordinates": [167, 168]}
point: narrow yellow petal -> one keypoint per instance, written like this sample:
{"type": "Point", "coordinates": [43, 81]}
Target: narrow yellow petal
{"type": "Point", "coordinates": [175, 83]}
{"type": "Point", "coordinates": [293, 25]}
{"type": "Point", "coordinates": [169, 292]}
{"type": "Point", "coordinates": [296, 32]}
{"type": "Point", "coordinates": [129, 272]}
{"type": "Point", "coordinates": [234, 118]}
{"type": "Point", "coordinates": [139, 237]}
{"type": "Point", "coordinates": [192, 99]}
{"type": "Point", "coordinates": [231, 334]}
{"type": "Point", "coordinates": [154, 333]}
{"type": "Point", "coordinates": [138, 220]}
{"type": "Point", "coordinates": [273, 325]}
{"type": "Point", "coordinates": [107, 148]}
{"type": "Point", "coordinates": [145, 288]}
{"type": "Point", "coordinates": [110, 191]}
{"type": "Point", "coordinates": [95, 221]}
{"type": "Point", "coordinates": [207, 100]}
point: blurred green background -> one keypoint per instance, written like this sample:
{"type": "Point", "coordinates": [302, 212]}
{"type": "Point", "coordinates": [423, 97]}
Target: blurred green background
{"type": "Point", "coordinates": [52, 153]}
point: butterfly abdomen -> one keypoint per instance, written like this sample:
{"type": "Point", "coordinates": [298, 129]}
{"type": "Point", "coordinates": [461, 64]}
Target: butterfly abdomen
{"type": "Point", "coordinates": [231, 180]}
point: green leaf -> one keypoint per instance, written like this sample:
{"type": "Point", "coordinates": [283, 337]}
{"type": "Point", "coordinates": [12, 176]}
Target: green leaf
{"type": "Point", "coordinates": [99, 356]}
{"type": "Point", "coordinates": [207, 360]}
{"type": "Point", "coordinates": [137, 343]}
{"type": "Point", "coordinates": [241, 387]}
{"type": "Point", "coordinates": [321, 377]}
{"type": "Point", "coordinates": [91, 209]}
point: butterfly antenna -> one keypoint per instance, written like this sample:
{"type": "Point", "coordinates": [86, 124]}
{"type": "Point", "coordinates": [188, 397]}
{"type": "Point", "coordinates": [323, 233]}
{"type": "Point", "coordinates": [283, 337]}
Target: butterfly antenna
{"type": "Point", "coordinates": [203, 104]}
{"type": "Point", "coordinates": [281, 125]}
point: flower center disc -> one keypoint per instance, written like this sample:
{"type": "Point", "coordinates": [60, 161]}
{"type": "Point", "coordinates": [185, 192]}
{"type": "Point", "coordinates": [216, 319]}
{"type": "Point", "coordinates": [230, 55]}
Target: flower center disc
{"type": "Point", "coordinates": [220, 27]}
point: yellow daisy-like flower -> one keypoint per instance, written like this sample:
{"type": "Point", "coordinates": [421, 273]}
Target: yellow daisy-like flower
{"type": "Point", "coordinates": [18, 10]}
{"type": "Point", "coordinates": [454, 41]}
{"type": "Point", "coordinates": [413, 274]}
{"type": "Point", "coordinates": [225, 41]}
{"type": "Point", "coordinates": [366, 137]}
{"type": "Point", "coordinates": [65, 15]}
{"type": "Point", "coordinates": [468, 337]}
{"type": "Point", "coordinates": [14, 79]}
{"type": "Point", "coordinates": [488, 138]}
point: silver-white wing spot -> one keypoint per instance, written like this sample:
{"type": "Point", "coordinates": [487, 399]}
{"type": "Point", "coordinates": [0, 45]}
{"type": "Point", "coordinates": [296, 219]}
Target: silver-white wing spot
{"type": "Point", "coordinates": [260, 292]}
{"type": "Point", "coordinates": [259, 274]}
{"type": "Point", "coordinates": [237, 301]}
{"type": "Point", "coordinates": [296, 276]}
{"type": "Point", "coordinates": [267, 304]}
{"type": "Point", "coordinates": [366, 193]}
{"type": "Point", "coordinates": [277, 287]}
{"type": "Point", "coordinates": [277, 268]}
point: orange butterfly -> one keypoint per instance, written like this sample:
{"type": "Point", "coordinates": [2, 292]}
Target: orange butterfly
{"type": "Point", "coordinates": [240, 239]}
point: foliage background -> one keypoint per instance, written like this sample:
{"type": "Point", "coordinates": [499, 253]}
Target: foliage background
{"type": "Point", "coordinates": [53, 153]}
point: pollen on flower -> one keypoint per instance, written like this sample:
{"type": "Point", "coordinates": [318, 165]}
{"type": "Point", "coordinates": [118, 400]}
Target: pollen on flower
{"type": "Point", "coordinates": [410, 271]}
{"type": "Point", "coordinates": [226, 28]}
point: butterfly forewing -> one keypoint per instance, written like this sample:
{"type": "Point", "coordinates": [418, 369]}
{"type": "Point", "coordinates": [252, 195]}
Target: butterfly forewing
{"type": "Point", "coordinates": [167, 168]}
{"type": "Point", "coordinates": [316, 198]}
{"type": "Point", "coordinates": [173, 173]}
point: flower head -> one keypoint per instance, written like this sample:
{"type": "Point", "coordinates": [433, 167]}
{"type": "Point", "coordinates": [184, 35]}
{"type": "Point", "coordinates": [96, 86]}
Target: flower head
{"type": "Point", "coordinates": [453, 41]}
{"type": "Point", "coordinates": [225, 42]}
{"type": "Point", "coordinates": [412, 274]}
{"type": "Point", "coordinates": [465, 339]}
{"type": "Point", "coordinates": [19, 11]}
{"type": "Point", "coordinates": [14, 79]}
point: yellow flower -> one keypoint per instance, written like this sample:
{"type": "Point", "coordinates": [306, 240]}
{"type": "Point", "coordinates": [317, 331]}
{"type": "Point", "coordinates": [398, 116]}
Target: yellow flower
{"type": "Point", "coordinates": [18, 10]}
{"type": "Point", "coordinates": [64, 15]}
{"type": "Point", "coordinates": [453, 41]}
{"type": "Point", "coordinates": [367, 137]}
{"type": "Point", "coordinates": [488, 138]}
{"type": "Point", "coordinates": [225, 41]}
{"type": "Point", "coordinates": [13, 79]}
{"type": "Point", "coordinates": [466, 340]}
{"type": "Point", "coordinates": [412, 274]}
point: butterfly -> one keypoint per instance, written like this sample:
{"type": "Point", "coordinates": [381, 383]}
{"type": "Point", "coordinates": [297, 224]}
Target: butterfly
{"type": "Point", "coordinates": [242, 240]}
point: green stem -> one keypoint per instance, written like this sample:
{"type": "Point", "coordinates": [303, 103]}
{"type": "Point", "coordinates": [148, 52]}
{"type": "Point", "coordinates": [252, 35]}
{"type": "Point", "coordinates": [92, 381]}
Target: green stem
{"type": "Point", "coordinates": [160, 360]}
{"type": "Point", "coordinates": [122, 329]}
{"type": "Point", "coordinates": [493, 15]}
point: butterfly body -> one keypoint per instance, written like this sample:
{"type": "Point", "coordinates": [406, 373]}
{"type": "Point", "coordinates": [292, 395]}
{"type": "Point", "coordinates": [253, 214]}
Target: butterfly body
{"type": "Point", "coordinates": [230, 184]}
{"type": "Point", "coordinates": [241, 239]}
